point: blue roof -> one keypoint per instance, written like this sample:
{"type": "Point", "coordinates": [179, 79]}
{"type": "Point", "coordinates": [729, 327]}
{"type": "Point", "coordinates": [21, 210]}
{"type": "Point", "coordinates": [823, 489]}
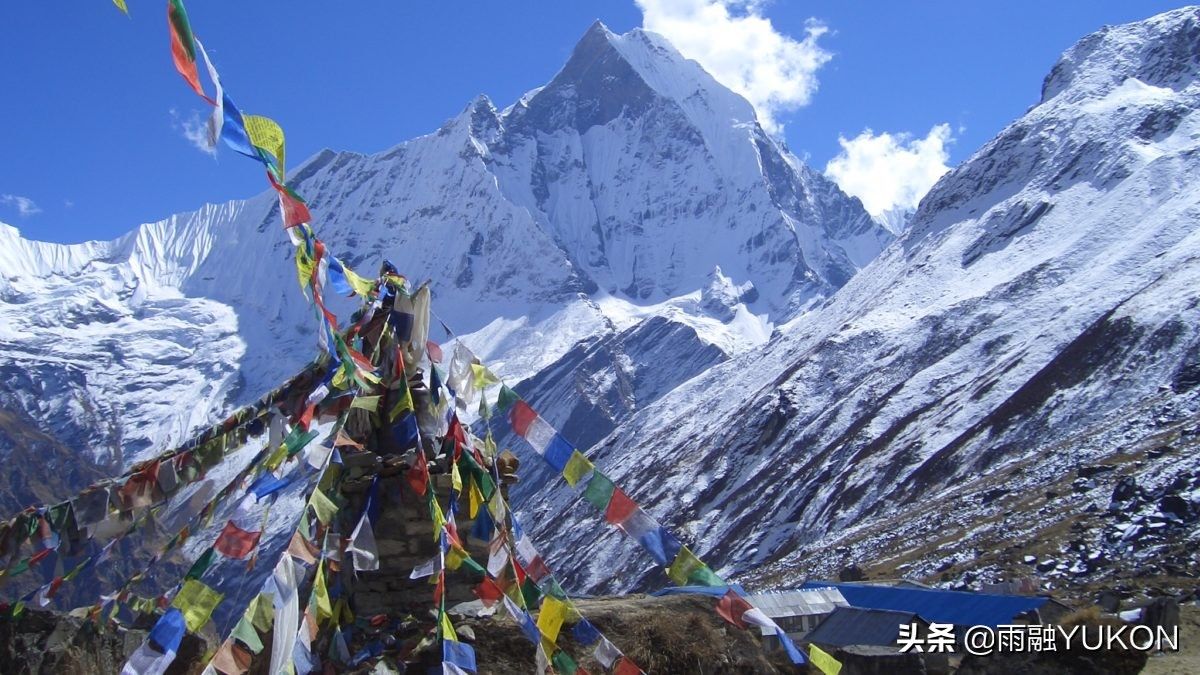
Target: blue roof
{"type": "Point", "coordinates": [937, 606]}
{"type": "Point", "coordinates": [715, 591]}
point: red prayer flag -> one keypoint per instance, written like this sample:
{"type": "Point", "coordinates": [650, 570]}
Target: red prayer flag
{"type": "Point", "coordinates": [620, 508]}
{"type": "Point", "coordinates": [488, 592]}
{"type": "Point", "coordinates": [732, 606]}
{"type": "Point", "coordinates": [295, 211]}
{"type": "Point", "coordinates": [460, 437]}
{"type": "Point", "coordinates": [418, 476]}
{"type": "Point", "coordinates": [183, 47]}
{"type": "Point", "coordinates": [521, 417]}
{"type": "Point", "coordinates": [434, 350]}
{"type": "Point", "coordinates": [625, 666]}
{"type": "Point", "coordinates": [234, 542]}
{"type": "Point", "coordinates": [537, 569]}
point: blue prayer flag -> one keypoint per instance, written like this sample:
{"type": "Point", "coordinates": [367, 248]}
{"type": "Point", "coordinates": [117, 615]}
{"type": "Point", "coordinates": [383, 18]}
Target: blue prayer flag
{"type": "Point", "coordinates": [459, 653]}
{"type": "Point", "coordinates": [169, 630]}
{"type": "Point", "coordinates": [585, 633]}
{"type": "Point", "coordinates": [558, 452]}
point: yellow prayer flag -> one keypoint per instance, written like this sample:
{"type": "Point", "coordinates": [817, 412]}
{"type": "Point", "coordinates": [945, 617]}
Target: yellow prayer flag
{"type": "Point", "coordinates": [455, 478]}
{"type": "Point", "coordinates": [403, 405]}
{"type": "Point", "coordinates": [323, 507]}
{"type": "Point", "coordinates": [682, 567]}
{"type": "Point", "coordinates": [476, 499]}
{"type": "Point", "coordinates": [448, 628]}
{"type": "Point", "coordinates": [324, 604]}
{"type": "Point", "coordinates": [484, 378]}
{"type": "Point", "coordinates": [121, 6]}
{"type": "Point", "coordinates": [824, 660]}
{"type": "Point", "coordinates": [368, 403]}
{"type": "Point", "coordinates": [360, 285]}
{"type": "Point", "coordinates": [304, 267]}
{"type": "Point", "coordinates": [439, 519]}
{"type": "Point", "coordinates": [551, 617]}
{"type": "Point", "coordinates": [577, 468]}
{"type": "Point", "coordinates": [265, 133]}
{"type": "Point", "coordinates": [197, 602]}
{"type": "Point", "coordinates": [455, 557]}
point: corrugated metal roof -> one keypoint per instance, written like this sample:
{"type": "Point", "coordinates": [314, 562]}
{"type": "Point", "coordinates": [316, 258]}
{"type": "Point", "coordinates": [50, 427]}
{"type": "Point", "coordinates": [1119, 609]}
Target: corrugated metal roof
{"type": "Point", "coordinates": [938, 606]}
{"type": "Point", "coordinates": [857, 626]}
{"type": "Point", "coordinates": [801, 602]}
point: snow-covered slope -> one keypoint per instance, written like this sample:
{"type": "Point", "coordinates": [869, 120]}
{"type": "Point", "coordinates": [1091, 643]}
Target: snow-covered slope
{"type": "Point", "coordinates": [1039, 316]}
{"type": "Point", "coordinates": [631, 185]}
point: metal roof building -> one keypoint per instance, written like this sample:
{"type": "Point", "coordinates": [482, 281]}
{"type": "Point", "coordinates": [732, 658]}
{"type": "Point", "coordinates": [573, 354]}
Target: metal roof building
{"type": "Point", "coordinates": [856, 626]}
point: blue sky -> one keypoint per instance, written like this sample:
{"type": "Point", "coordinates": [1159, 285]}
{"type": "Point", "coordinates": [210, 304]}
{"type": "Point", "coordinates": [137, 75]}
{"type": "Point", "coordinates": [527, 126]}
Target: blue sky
{"type": "Point", "coordinates": [93, 115]}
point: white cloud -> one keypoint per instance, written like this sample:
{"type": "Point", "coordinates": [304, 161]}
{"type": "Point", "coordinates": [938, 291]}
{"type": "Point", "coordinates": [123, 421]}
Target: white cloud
{"type": "Point", "coordinates": [889, 171]}
{"type": "Point", "coordinates": [194, 128]}
{"type": "Point", "coordinates": [741, 48]}
{"type": "Point", "coordinates": [24, 205]}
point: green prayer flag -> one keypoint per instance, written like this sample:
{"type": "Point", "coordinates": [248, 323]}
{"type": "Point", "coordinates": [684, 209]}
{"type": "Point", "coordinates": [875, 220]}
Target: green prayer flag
{"type": "Point", "coordinates": [262, 611]}
{"type": "Point", "coordinates": [297, 439]}
{"type": "Point", "coordinates": [248, 635]}
{"type": "Point", "coordinates": [323, 507]}
{"type": "Point", "coordinates": [202, 564]}
{"type": "Point", "coordinates": [551, 587]}
{"type": "Point", "coordinates": [704, 576]}
{"type": "Point", "coordinates": [506, 399]}
{"type": "Point", "coordinates": [530, 592]}
{"type": "Point", "coordinates": [599, 490]}
{"type": "Point", "coordinates": [563, 663]}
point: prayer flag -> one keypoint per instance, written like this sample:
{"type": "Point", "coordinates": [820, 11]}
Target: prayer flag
{"type": "Point", "coordinates": [599, 490]}
{"type": "Point", "coordinates": [682, 567]}
{"type": "Point", "coordinates": [201, 565]}
{"type": "Point", "coordinates": [606, 652]}
{"type": "Point", "coordinates": [362, 546]}
{"type": "Point", "coordinates": [550, 618]}
{"type": "Point", "coordinates": [197, 603]}
{"type": "Point", "coordinates": [521, 417]}
{"type": "Point", "coordinates": [620, 507]}
{"type": "Point", "coordinates": [183, 46]}
{"type": "Point", "coordinates": [321, 592]}
{"type": "Point", "coordinates": [539, 434]}
{"type": "Point", "coordinates": [248, 634]}
{"type": "Point", "coordinates": [266, 134]}
{"type": "Point", "coordinates": [506, 399]}
{"type": "Point", "coordinates": [121, 6]}
{"type": "Point", "coordinates": [564, 664]}
{"type": "Point", "coordinates": [460, 654]}
{"type": "Point", "coordinates": [578, 468]}
{"type": "Point", "coordinates": [234, 542]}
{"type": "Point", "coordinates": [559, 452]}
{"type": "Point", "coordinates": [484, 378]}
{"type": "Point", "coordinates": [168, 631]}
{"type": "Point", "coordinates": [322, 506]}
{"type": "Point", "coordinates": [585, 633]}
{"type": "Point", "coordinates": [824, 660]}
{"type": "Point", "coordinates": [231, 659]}
{"type": "Point", "coordinates": [732, 606]}
{"type": "Point", "coordinates": [426, 569]}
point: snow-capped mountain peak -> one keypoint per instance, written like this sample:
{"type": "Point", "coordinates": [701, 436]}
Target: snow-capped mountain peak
{"type": "Point", "coordinates": [599, 200]}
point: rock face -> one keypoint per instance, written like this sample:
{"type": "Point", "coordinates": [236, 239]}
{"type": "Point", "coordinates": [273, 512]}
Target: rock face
{"type": "Point", "coordinates": [606, 196]}
{"type": "Point", "coordinates": [1039, 315]}
{"type": "Point", "coordinates": [45, 643]}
